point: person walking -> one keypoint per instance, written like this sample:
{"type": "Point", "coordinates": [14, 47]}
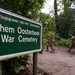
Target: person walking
{"type": "Point", "coordinates": [50, 41]}
{"type": "Point", "coordinates": [72, 41]}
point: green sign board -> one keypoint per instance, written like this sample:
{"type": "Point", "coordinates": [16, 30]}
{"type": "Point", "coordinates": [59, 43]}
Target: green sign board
{"type": "Point", "coordinates": [18, 35]}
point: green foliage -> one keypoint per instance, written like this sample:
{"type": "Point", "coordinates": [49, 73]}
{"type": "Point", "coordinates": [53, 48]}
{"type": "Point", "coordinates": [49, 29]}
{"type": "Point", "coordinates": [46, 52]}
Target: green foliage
{"type": "Point", "coordinates": [61, 41]}
{"type": "Point", "coordinates": [27, 8]}
{"type": "Point", "coordinates": [72, 29]}
{"type": "Point", "coordinates": [64, 42]}
{"type": "Point", "coordinates": [47, 23]}
{"type": "Point", "coordinates": [57, 39]}
{"type": "Point", "coordinates": [14, 65]}
{"type": "Point", "coordinates": [65, 23]}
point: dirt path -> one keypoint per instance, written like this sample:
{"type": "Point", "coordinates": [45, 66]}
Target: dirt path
{"type": "Point", "coordinates": [59, 63]}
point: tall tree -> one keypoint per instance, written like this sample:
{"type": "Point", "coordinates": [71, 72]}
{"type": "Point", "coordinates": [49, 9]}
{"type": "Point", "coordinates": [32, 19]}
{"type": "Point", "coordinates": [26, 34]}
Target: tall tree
{"type": "Point", "coordinates": [66, 4]}
{"type": "Point", "coordinates": [66, 20]}
{"type": "Point", "coordinates": [27, 8]}
{"type": "Point", "coordinates": [55, 14]}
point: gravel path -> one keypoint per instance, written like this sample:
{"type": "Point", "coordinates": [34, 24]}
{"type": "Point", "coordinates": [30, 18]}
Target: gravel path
{"type": "Point", "coordinates": [59, 63]}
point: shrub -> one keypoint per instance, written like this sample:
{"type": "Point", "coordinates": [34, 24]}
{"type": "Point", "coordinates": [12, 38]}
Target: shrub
{"type": "Point", "coordinates": [14, 65]}
{"type": "Point", "coordinates": [63, 42]}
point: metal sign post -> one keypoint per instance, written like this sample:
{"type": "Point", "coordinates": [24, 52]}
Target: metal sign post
{"type": "Point", "coordinates": [0, 68]}
{"type": "Point", "coordinates": [35, 63]}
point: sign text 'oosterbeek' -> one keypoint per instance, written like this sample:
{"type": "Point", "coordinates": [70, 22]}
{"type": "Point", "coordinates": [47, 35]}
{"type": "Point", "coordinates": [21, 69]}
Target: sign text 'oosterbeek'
{"type": "Point", "coordinates": [20, 31]}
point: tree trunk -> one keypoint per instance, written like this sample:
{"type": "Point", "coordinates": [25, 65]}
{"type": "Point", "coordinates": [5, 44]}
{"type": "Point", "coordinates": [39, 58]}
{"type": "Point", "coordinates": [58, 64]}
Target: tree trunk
{"type": "Point", "coordinates": [64, 5]}
{"type": "Point", "coordinates": [56, 15]}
